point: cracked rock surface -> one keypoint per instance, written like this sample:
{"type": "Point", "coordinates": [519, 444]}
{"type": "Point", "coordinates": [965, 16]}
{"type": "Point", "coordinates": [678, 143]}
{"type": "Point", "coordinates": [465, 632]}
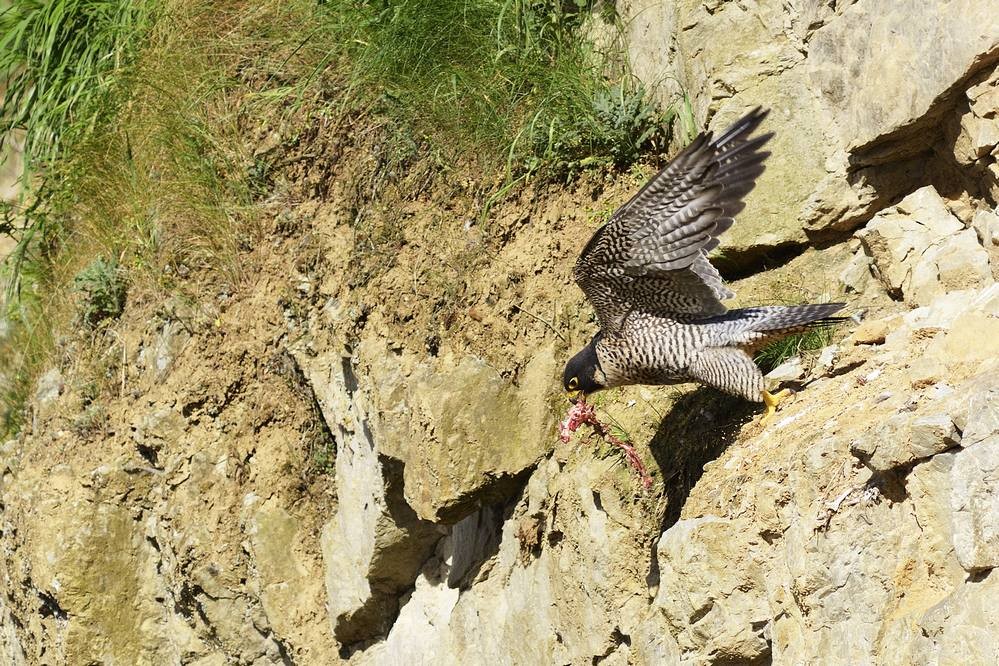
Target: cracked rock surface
{"type": "Point", "coordinates": [353, 459]}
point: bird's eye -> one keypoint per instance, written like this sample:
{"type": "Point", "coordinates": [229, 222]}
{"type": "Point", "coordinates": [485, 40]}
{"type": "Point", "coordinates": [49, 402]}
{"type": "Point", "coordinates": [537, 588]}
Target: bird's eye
{"type": "Point", "coordinates": [573, 383]}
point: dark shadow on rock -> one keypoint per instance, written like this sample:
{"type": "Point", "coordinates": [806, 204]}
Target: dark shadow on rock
{"type": "Point", "coordinates": [696, 430]}
{"type": "Point", "coordinates": [476, 540]}
{"type": "Point", "coordinates": [403, 547]}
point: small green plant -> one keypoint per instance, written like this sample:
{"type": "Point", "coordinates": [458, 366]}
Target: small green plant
{"type": "Point", "coordinates": [91, 420]}
{"type": "Point", "coordinates": [629, 123]}
{"type": "Point", "coordinates": [324, 456]}
{"type": "Point", "coordinates": [102, 288]}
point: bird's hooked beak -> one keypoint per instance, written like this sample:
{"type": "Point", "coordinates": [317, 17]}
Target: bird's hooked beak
{"type": "Point", "coordinates": [575, 396]}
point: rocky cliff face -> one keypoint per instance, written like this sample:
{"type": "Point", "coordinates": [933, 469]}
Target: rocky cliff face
{"type": "Point", "coordinates": [343, 462]}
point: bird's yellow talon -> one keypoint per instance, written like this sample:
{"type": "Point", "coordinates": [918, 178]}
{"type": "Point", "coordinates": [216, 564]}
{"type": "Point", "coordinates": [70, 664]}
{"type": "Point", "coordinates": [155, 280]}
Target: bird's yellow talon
{"type": "Point", "coordinates": [771, 400]}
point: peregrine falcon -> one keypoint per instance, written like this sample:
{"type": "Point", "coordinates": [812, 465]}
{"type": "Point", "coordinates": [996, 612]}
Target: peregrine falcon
{"type": "Point", "coordinates": [657, 297]}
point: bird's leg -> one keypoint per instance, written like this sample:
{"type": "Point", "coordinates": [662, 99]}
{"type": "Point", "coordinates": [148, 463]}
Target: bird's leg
{"type": "Point", "coordinates": [771, 400]}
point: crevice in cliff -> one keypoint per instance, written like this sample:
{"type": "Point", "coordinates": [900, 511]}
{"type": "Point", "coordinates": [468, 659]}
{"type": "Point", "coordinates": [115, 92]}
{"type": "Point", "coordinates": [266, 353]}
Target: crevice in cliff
{"type": "Point", "coordinates": [187, 606]}
{"type": "Point", "coordinates": [891, 483]}
{"type": "Point", "coordinates": [323, 444]}
{"type": "Point", "coordinates": [696, 430]}
{"type": "Point", "coordinates": [282, 648]}
{"type": "Point", "coordinates": [476, 541]}
{"type": "Point", "coordinates": [900, 143]}
{"type": "Point", "coordinates": [401, 551]}
{"type": "Point", "coordinates": [50, 606]}
{"type": "Point", "coordinates": [617, 640]}
{"type": "Point", "coordinates": [926, 151]}
{"type": "Point", "coordinates": [740, 264]}
{"type": "Point", "coordinates": [736, 265]}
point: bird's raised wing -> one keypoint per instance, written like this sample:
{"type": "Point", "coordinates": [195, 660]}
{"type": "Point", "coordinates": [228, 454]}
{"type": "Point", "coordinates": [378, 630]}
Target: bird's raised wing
{"type": "Point", "coordinates": [652, 254]}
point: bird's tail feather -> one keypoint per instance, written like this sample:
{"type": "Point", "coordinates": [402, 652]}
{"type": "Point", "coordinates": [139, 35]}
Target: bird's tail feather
{"type": "Point", "coordinates": [792, 318]}
{"type": "Point", "coordinates": [755, 328]}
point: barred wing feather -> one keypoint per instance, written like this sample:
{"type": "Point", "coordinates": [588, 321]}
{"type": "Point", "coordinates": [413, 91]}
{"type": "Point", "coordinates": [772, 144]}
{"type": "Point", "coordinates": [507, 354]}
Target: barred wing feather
{"type": "Point", "coordinates": [652, 254]}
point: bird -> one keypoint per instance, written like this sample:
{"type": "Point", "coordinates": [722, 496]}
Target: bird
{"type": "Point", "coordinates": [657, 297]}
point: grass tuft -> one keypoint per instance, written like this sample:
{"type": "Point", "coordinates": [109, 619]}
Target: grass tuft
{"type": "Point", "coordinates": [506, 80]}
{"type": "Point", "coordinates": [62, 63]}
{"type": "Point", "coordinates": [798, 344]}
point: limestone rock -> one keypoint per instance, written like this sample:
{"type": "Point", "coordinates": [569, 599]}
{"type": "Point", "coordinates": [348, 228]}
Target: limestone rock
{"type": "Point", "coordinates": [977, 131]}
{"type": "Point", "coordinates": [153, 429]}
{"type": "Point", "coordinates": [960, 629]}
{"type": "Point", "coordinates": [986, 225]}
{"type": "Point", "coordinates": [158, 357]}
{"type": "Point", "coordinates": [906, 438]}
{"type": "Point", "coordinates": [920, 250]}
{"type": "Point", "coordinates": [871, 332]}
{"type": "Point", "coordinates": [866, 84]}
{"type": "Point", "coordinates": [485, 430]}
{"type": "Point", "coordinates": [861, 135]}
{"type": "Point", "coordinates": [281, 578]}
{"type": "Point", "coordinates": [49, 387]}
{"type": "Point", "coordinates": [375, 546]}
{"type": "Point", "coordinates": [789, 370]}
{"type": "Point", "coordinates": [711, 607]}
{"type": "Point", "coordinates": [857, 273]}
{"type": "Point", "coordinates": [557, 576]}
{"type": "Point", "coordinates": [975, 502]}
{"type": "Point", "coordinates": [925, 371]}
{"type": "Point", "coordinates": [978, 412]}
{"type": "Point", "coordinates": [944, 313]}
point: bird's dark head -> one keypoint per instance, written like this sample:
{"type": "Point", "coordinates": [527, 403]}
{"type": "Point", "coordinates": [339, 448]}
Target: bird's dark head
{"type": "Point", "coordinates": [583, 374]}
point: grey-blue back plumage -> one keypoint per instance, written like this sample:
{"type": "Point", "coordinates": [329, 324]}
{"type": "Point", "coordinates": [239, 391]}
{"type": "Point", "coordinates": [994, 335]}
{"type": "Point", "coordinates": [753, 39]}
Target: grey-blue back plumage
{"type": "Point", "coordinates": [658, 298]}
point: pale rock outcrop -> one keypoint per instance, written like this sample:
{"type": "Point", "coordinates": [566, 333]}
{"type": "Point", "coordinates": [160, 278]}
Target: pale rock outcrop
{"type": "Point", "coordinates": [975, 503]}
{"type": "Point", "coordinates": [920, 250]}
{"type": "Point", "coordinates": [857, 273]}
{"type": "Point", "coordinates": [986, 224]}
{"type": "Point", "coordinates": [863, 61]}
{"type": "Point", "coordinates": [375, 545]}
{"type": "Point", "coordinates": [854, 128]}
{"type": "Point", "coordinates": [829, 578]}
{"type": "Point", "coordinates": [48, 388]}
{"type": "Point", "coordinates": [169, 341]}
{"type": "Point", "coordinates": [416, 442]}
{"type": "Point", "coordinates": [558, 576]}
{"type": "Point", "coordinates": [787, 550]}
{"type": "Point", "coordinates": [464, 433]}
{"type": "Point", "coordinates": [960, 629]}
{"type": "Point", "coordinates": [710, 607]}
{"type": "Point", "coordinates": [973, 135]}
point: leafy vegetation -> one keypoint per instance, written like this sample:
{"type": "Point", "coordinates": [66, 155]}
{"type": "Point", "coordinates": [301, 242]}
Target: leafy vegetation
{"type": "Point", "coordinates": [102, 288]}
{"type": "Point", "coordinates": [113, 158]}
{"type": "Point", "coordinates": [502, 78]}
{"type": "Point", "coordinates": [62, 63]}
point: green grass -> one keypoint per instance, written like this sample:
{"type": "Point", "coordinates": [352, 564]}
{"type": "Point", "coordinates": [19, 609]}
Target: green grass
{"type": "Point", "coordinates": [511, 81]}
{"type": "Point", "coordinates": [798, 344]}
{"type": "Point", "coordinates": [62, 61]}
{"type": "Point", "coordinates": [128, 158]}
{"type": "Point", "coordinates": [138, 117]}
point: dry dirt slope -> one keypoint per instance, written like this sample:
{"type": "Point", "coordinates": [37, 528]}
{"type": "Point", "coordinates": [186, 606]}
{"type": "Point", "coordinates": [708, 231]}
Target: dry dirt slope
{"type": "Point", "coordinates": [352, 455]}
